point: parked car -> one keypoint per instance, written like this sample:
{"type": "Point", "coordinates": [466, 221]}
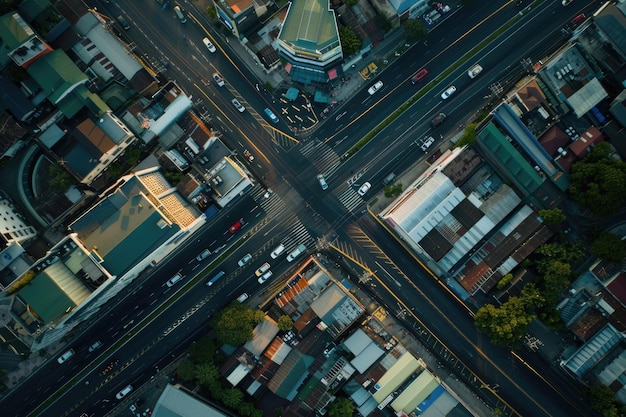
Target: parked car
{"type": "Point", "coordinates": [244, 260]}
{"type": "Point", "coordinates": [322, 182]}
{"type": "Point", "coordinates": [373, 89]}
{"type": "Point", "coordinates": [264, 277]}
{"type": "Point", "coordinates": [238, 105]}
{"type": "Point", "coordinates": [218, 79]}
{"type": "Point", "coordinates": [419, 76]}
{"type": "Point", "coordinates": [578, 19]}
{"type": "Point", "coordinates": [262, 269]}
{"type": "Point", "coordinates": [209, 45]}
{"type": "Point", "coordinates": [364, 189]}
{"type": "Point", "coordinates": [427, 143]}
{"type": "Point", "coordinates": [449, 91]}
{"type": "Point", "coordinates": [271, 115]}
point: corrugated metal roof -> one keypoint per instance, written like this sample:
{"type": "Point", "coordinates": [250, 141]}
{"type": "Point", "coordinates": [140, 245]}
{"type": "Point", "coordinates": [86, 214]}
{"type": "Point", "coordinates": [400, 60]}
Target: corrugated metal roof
{"type": "Point", "coordinates": [396, 375]}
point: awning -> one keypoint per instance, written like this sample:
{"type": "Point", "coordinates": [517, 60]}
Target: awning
{"type": "Point", "coordinates": [292, 93]}
{"type": "Point", "coordinates": [332, 73]}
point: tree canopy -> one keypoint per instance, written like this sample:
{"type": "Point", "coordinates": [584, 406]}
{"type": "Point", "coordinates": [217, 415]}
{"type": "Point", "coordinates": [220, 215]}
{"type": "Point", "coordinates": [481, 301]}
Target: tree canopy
{"type": "Point", "coordinates": [556, 278]}
{"type": "Point", "coordinates": [415, 30]}
{"type": "Point", "coordinates": [504, 325]}
{"type": "Point", "coordinates": [598, 182]}
{"type": "Point", "coordinates": [608, 246]}
{"type": "Point", "coordinates": [350, 42]}
{"type": "Point", "coordinates": [552, 216]}
{"type": "Point", "coordinates": [341, 407]}
{"type": "Point", "coordinates": [234, 324]}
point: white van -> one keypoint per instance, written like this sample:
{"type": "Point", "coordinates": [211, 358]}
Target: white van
{"type": "Point", "coordinates": [67, 355]}
{"type": "Point", "coordinates": [295, 253]}
{"type": "Point", "coordinates": [174, 279]}
{"type": "Point", "coordinates": [276, 252]}
{"type": "Point", "coordinates": [124, 392]}
{"type": "Point", "coordinates": [180, 15]}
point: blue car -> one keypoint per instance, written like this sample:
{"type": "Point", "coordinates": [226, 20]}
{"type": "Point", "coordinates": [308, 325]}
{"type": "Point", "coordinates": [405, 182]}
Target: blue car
{"type": "Point", "coordinates": [271, 115]}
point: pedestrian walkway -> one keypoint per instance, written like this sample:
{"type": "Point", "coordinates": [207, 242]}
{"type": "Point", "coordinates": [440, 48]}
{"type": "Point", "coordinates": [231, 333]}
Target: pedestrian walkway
{"type": "Point", "coordinates": [322, 156]}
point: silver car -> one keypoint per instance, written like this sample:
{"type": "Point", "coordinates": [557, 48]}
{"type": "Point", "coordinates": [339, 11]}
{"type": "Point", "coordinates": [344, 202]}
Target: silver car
{"type": "Point", "coordinates": [238, 105]}
{"type": "Point", "coordinates": [446, 94]}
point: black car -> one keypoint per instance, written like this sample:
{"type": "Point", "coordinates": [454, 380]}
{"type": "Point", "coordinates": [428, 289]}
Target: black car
{"type": "Point", "coordinates": [123, 22]}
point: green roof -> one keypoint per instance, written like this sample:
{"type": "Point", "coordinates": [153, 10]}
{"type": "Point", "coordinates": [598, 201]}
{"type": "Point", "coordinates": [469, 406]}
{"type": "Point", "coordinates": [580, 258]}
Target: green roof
{"type": "Point", "coordinates": [310, 26]}
{"type": "Point", "coordinates": [510, 161]}
{"type": "Point", "coordinates": [56, 74]}
{"type": "Point", "coordinates": [13, 32]}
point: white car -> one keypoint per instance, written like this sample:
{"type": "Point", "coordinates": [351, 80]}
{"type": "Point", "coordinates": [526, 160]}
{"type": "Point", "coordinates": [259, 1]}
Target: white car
{"type": "Point", "coordinates": [322, 182]}
{"type": "Point", "coordinates": [238, 105]}
{"type": "Point", "coordinates": [67, 355]}
{"type": "Point", "coordinates": [373, 89]}
{"type": "Point", "coordinates": [262, 269]}
{"type": "Point", "coordinates": [446, 94]}
{"type": "Point", "coordinates": [124, 392]}
{"type": "Point", "coordinates": [427, 142]}
{"type": "Point", "coordinates": [364, 189]}
{"type": "Point", "coordinates": [566, 2]}
{"type": "Point", "coordinates": [265, 277]}
{"type": "Point", "coordinates": [203, 255]}
{"type": "Point", "coordinates": [244, 260]}
{"type": "Point", "coordinates": [219, 80]}
{"type": "Point", "coordinates": [209, 45]}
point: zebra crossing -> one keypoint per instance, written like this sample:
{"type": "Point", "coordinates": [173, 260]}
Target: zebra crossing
{"type": "Point", "coordinates": [348, 197]}
{"type": "Point", "coordinates": [322, 156]}
{"type": "Point", "coordinates": [271, 203]}
{"type": "Point", "coordinates": [297, 235]}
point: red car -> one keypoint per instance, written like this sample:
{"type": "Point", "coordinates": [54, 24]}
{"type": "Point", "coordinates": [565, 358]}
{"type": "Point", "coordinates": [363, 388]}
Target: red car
{"type": "Point", "coordinates": [578, 19]}
{"type": "Point", "coordinates": [236, 226]}
{"type": "Point", "coordinates": [419, 76]}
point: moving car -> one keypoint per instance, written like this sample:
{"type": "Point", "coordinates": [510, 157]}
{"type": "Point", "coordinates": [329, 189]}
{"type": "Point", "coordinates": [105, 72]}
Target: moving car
{"type": "Point", "coordinates": [373, 89]}
{"type": "Point", "coordinates": [238, 105]}
{"type": "Point", "coordinates": [262, 269]}
{"type": "Point", "coordinates": [203, 255]}
{"type": "Point", "coordinates": [578, 19]}
{"type": "Point", "coordinates": [277, 251]}
{"type": "Point", "coordinates": [427, 142]}
{"type": "Point", "coordinates": [215, 278]}
{"type": "Point", "coordinates": [236, 226]}
{"type": "Point", "coordinates": [243, 297]}
{"type": "Point", "coordinates": [244, 260]}
{"type": "Point", "coordinates": [95, 345]}
{"type": "Point", "coordinates": [179, 14]}
{"type": "Point", "coordinates": [296, 252]}
{"type": "Point", "coordinates": [124, 392]}
{"type": "Point", "coordinates": [474, 71]}
{"type": "Point", "coordinates": [271, 115]}
{"type": "Point", "coordinates": [67, 355]}
{"type": "Point", "coordinates": [364, 189]}
{"type": "Point", "coordinates": [566, 2]}
{"type": "Point", "coordinates": [218, 79]}
{"type": "Point", "coordinates": [446, 94]}
{"type": "Point", "coordinates": [123, 22]}
{"type": "Point", "coordinates": [438, 120]}
{"type": "Point", "coordinates": [209, 45]}
{"type": "Point", "coordinates": [322, 182]}
{"type": "Point", "coordinates": [170, 282]}
{"type": "Point", "coordinates": [265, 277]}
{"type": "Point", "coordinates": [419, 76]}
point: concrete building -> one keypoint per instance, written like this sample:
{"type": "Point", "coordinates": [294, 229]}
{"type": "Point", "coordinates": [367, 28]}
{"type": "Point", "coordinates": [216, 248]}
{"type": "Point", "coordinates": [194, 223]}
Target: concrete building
{"type": "Point", "coordinates": [240, 16]}
{"type": "Point", "coordinates": [13, 226]}
{"type": "Point", "coordinates": [309, 42]}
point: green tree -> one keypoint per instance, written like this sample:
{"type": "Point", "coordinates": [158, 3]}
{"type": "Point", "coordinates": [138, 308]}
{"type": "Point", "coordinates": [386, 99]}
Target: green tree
{"type": "Point", "coordinates": [206, 374]}
{"type": "Point", "coordinates": [174, 177]}
{"type": "Point", "coordinates": [383, 21]}
{"type": "Point", "coordinates": [341, 407]}
{"type": "Point", "coordinates": [59, 180]}
{"type": "Point", "coordinates": [186, 370]}
{"type": "Point", "coordinates": [201, 351]}
{"type": "Point", "coordinates": [285, 323]}
{"type": "Point", "coordinates": [504, 325]}
{"type": "Point", "coordinates": [468, 137]}
{"type": "Point", "coordinates": [504, 281]}
{"type": "Point", "coordinates": [133, 154]}
{"type": "Point", "coordinates": [532, 297]}
{"type": "Point", "coordinates": [556, 278]}
{"type": "Point", "coordinates": [393, 190]}
{"type": "Point", "coordinates": [603, 400]}
{"type": "Point", "coordinates": [552, 216]}
{"type": "Point", "coordinates": [415, 30]}
{"type": "Point", "coordinates": [565, 252]}
{"type": "Point", "coordinates": [350, 42]}
{"type": "Point", "coordinates": [598, 182]}
{"type": "Point", "coordinates": [234, 324]}
{"type": "Point", "coordinates": [608, 246]}
{"type": "Point", "coordinates": [232, 398]}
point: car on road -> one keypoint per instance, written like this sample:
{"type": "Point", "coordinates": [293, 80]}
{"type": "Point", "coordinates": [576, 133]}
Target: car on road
{"type": "Point", "coordinates": [427, 143]}
{"type": "Point", "coordinates": [364, 189]}
{"type": "Point", "coordinates": [265, 277]}
{"type": "Point", "coordinates": [438, 120]}
{"type": "Point", "coordinates": [244, 260]}
{"type": "Point", "coordinates": [236, 226]}
{"type": "Point", "coordinates": [248, 155]}
{"type": "Point", "coordinates": [449, 91]}
{"type": "Point", "coordinates": [566, 2]}
{"type": "Point", "coordinates": [209, 45]}
{"type": "Point", "coordinates": [238, 105]}
{"type": "Point", "coordinates": [474, 71]}
{"type": "Point", "coordinates": [373, 89]}
{"type": "Point", "coordinates": [277, 251]}
{"type": "Point", "coordinates": [95, 345]}
{"type": "Point", "coordinates": [218, 79]}
{"type": "Point", "coordinates": [124, 392]}
{"type": "Point", "coordinates": [170, 282]}
{"type": "Point", "coordinates": [66, 356]}
{"type": "Point", "coordinates": [271, 115]}
{"type": "Point", "coordinates": [322, 181]}
{"type": "Point", "coordinates": [419, 76]}
{"type": "Point", "coordinates": [578, 19]}
{"type": "Point", "coordinates": [262, 269]}
{"type": "Point", "coordinates": [123, 22]}
{"type": "Point", "coordinates": [203, 255]}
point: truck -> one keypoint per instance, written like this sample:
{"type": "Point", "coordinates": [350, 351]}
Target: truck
{"type": "Point", "coordinates": [295, 253]}
{"type": "Point", "coordinates": [215, 278]}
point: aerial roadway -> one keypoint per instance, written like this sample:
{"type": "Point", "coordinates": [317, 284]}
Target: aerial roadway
{"type": "Point", "coordinates": [299, 200]}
